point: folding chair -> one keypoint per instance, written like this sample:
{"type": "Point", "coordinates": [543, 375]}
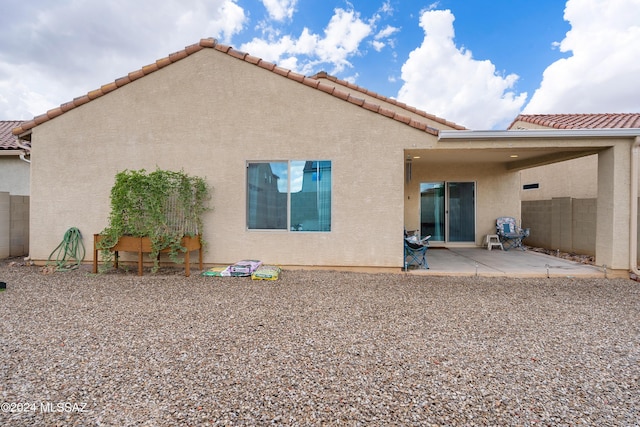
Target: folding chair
{"type": "Point", "coordinates": [415, 252]}
{"type": "Point", "coordinates": [510, 234]}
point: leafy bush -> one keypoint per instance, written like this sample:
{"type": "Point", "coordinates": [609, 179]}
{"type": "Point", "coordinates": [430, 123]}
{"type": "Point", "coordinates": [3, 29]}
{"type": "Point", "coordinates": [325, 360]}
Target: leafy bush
{"type": "Point", "coordinates": [162, 205]}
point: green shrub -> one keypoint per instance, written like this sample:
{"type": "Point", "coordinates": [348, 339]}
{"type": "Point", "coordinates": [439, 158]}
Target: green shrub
{"type": "Point", "coordinates": [162, 205]}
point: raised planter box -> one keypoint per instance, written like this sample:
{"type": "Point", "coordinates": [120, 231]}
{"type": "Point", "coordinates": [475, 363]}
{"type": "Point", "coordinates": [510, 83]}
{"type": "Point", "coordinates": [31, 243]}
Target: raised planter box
{"type": "Point", "coordinates": [141, 245]}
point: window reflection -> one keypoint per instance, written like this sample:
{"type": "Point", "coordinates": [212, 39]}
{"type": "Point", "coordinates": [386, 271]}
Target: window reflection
{"type": "Point", "coordinates": [304, 185]}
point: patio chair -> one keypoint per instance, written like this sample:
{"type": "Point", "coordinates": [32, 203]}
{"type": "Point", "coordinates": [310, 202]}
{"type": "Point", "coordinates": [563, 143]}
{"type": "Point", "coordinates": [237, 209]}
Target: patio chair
{"type": "Point", "coordinates": [415, 251]}
{"type": "Point", "coordinates": [510, 234]}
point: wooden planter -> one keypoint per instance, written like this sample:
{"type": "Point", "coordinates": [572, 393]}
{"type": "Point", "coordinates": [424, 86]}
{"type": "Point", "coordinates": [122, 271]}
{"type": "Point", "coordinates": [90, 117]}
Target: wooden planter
{"type": "Point", "coordinates": [141, 245]}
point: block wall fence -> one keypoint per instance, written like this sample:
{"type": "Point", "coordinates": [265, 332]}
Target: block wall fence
{"type": "Point", "coordinates": [562, 223]}
{"type": "Point", "coordinates": [14, 225]}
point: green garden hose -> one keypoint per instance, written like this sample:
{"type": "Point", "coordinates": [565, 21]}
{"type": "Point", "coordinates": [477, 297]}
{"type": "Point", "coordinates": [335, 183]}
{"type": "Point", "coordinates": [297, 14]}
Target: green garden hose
{"type": "Point", "coordinates": [70, 252]}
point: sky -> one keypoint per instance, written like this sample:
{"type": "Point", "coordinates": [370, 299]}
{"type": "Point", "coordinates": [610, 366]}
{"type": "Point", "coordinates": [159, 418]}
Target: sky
{"type": "Point", "coordinates": [478, 63]}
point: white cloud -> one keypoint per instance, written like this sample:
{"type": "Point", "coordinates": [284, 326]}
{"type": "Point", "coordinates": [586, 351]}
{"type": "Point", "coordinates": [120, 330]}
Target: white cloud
{"type": "Point", "coordinates": [602, 75]}
{"type": "Point", "coordinates": [378, 46]}
{"type": "Point", "coordinates": [352, 79]}
{"type": "Point", "coordinates": [280, 9]}
{"type": "Point", "coordinates": [51, 52]}
{"type": "Point", "coordinates": [342, 38]}
{"type": "Point", "coordinates": [386, 32]}
{"type": "Point", "coordinates": [386, 8]}
{"type": "Point", "coordinates": [228, 19]}
{"type": "Point", "coordinates": [447, 81]}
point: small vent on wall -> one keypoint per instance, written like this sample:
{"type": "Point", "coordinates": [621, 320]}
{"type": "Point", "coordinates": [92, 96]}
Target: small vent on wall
{"type": "Point", "coordinates": [531, 186]}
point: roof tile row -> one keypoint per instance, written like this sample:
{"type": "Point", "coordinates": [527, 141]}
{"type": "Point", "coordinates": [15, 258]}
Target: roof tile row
{"type": "Point", "coordinates": [7, 140]}
{"type": "Point", "coordinates": [582, 121]}
{"type": "Point", "coordinates": [324, 75]}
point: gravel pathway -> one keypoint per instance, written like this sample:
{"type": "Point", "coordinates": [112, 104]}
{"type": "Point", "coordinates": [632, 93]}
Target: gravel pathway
{"type": "Point", "coordinates": [316, 348]}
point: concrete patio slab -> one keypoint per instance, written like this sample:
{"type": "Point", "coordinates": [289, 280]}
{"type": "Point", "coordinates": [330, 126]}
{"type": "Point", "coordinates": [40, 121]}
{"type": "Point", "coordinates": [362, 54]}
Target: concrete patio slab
{"type": "Point", "coordinates": [513, 263]}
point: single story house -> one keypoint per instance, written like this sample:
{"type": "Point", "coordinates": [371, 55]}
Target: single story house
{"type": "Point", "coordinates": [14, 161]}
{"type": "Point", "coordinates": [263, 136]}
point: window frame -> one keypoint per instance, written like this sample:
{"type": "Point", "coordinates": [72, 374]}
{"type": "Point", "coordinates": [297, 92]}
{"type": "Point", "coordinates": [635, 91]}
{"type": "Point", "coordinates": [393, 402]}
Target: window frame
{"type": "Point", "coordinates": [289, 206]}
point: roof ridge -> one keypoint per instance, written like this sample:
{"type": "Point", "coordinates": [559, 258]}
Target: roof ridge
{"type": "Point", "coordinates": [213, 44]}
{"type": "Point", "coordinates": [325, 75]}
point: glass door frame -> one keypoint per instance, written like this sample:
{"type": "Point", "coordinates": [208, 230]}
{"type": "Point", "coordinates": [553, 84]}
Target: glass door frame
{"type": "Point", "coordinates": [445, 223]}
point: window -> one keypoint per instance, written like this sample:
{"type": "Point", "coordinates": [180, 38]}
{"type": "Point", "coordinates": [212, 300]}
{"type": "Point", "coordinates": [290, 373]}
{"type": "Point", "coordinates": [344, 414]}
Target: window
{"type": "Point", "coordinates": [530, 186]}
{"type": "Point", "coordinates": [289, 195]}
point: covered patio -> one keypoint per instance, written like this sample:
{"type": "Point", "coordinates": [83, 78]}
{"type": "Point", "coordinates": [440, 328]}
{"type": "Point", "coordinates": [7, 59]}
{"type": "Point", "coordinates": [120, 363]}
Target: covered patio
{"type": "Point", "coordinates": [473, 178]}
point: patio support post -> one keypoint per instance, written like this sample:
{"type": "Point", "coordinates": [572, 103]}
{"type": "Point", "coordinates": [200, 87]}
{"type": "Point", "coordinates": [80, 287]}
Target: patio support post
{"type": "Point", "coordinates": [613, 207]}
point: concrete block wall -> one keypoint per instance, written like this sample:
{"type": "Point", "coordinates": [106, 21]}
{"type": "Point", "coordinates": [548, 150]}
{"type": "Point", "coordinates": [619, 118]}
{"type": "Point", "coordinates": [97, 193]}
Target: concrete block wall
{"type": "Point", "coordinates": [561, 223]}
{"type": "Point", "coordinates": [19, 240]}
{"type": "Point", "coordinates": [584, 226]}
{"type": "Point", "coordinates": [14, 225]}
{"type": "Point", "coordinates": [536, 215]}
{"type": "Point", "coordinates": [5, 225]}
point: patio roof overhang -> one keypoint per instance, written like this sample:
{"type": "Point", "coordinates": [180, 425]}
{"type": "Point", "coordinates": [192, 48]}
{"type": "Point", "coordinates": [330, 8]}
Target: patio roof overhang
{"type": "Point", "coordinates": [520, 149]}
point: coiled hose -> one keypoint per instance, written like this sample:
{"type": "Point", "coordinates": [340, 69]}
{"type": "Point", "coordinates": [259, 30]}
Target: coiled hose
{"type": "Point", "coordinates": [70, 252]}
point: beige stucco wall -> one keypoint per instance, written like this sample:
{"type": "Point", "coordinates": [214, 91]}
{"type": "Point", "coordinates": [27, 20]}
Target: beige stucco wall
{"type": "Point", "coordinates": [14, 175]}
{"type": "Point", "coordinates": [492, 183]}
{"type": "Point", "coordinates": [576, 178]}
{"type": "Point", "coordinates": [613, 207]}
{"type": "Point", "coordinates": [208, 115]}
{"type": "Point", "coordinates": [396, 107]}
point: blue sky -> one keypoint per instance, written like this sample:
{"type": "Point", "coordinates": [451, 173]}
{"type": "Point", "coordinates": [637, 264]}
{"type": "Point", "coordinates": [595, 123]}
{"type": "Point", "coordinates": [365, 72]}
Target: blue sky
{"type": "Point", "coordinates": [516, 41]}
{"type": "Point", "coordinates": [478, 63]}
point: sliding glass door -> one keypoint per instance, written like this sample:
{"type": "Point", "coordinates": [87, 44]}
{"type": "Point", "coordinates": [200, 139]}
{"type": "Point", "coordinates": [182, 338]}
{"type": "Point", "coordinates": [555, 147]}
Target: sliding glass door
{"type": "Point", "coordinates": [447, 211]}
{"type": "Point", "coordinates": [432, 210]}
{"type": "Point", "coordinates": [462, 211]}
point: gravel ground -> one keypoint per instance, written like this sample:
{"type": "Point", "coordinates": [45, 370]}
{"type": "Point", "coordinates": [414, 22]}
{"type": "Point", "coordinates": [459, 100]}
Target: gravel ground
{"type": "Point", "coordinates": [316, 348]}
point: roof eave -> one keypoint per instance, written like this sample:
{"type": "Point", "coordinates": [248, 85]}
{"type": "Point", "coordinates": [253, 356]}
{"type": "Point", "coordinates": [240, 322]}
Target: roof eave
{"type": "Point", "coordinates": [11, 152]}
{"type": "Point", "coordinates": [458, 135]}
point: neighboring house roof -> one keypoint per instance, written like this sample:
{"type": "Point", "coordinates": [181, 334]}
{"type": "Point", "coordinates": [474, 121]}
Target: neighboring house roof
{"type": "Point", "coordinates": [582, 121]}
{"type": "Point", "coordinates": [313, 82]}
{"type": "Point", "coordinates": [7, 139]}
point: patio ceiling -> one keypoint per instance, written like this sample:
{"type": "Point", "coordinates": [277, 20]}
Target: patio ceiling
{"type": "Point", "coordinates": [512, 158]}
{"type": "Point", "coordinates": [517, 150]}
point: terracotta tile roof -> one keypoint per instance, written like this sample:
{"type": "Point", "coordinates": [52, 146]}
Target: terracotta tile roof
{"type": "Point", "coordinates": [324, 75]}
{"type": "Point", "coordinates": [312, 82]}
{"type": "Point", "coordinates": [582, 121]}
{"type": "Point", "coordinates": [7, 139]}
